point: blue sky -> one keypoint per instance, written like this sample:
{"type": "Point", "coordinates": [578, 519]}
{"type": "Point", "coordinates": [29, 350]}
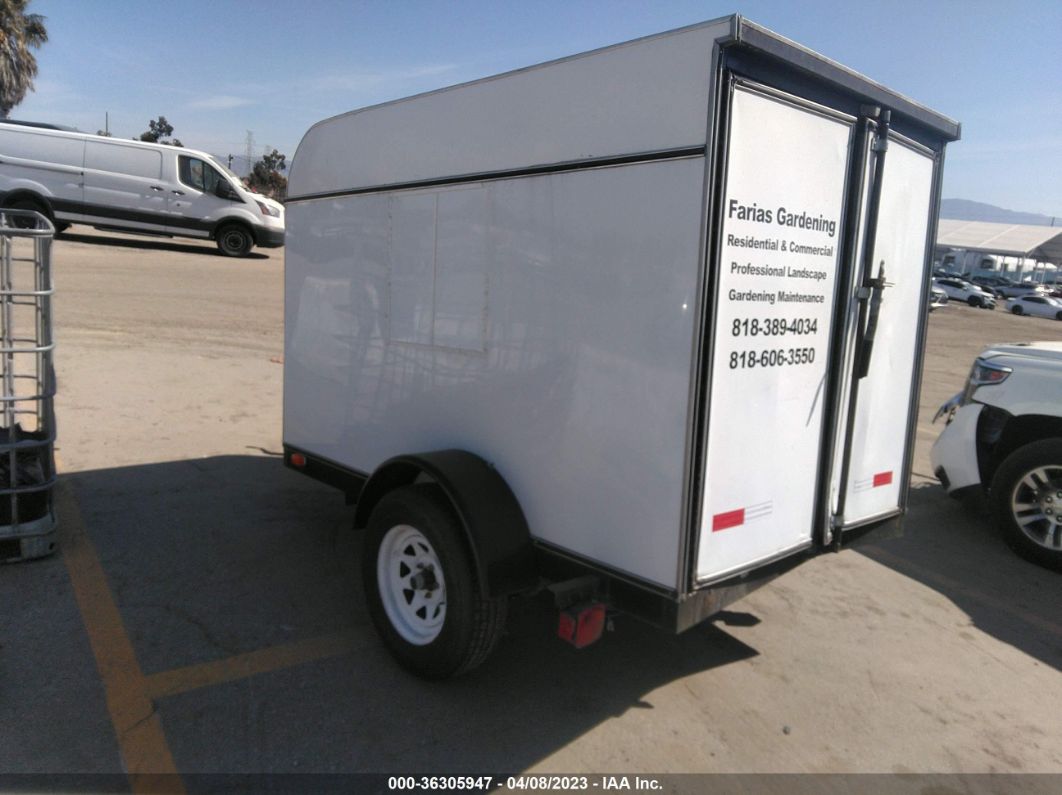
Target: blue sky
{"type": "Point", "coordinates": [218, 69]}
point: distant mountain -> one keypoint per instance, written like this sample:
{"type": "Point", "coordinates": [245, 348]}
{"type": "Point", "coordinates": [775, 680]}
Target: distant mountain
{"type": "Point", "coordinates": [966, 210]}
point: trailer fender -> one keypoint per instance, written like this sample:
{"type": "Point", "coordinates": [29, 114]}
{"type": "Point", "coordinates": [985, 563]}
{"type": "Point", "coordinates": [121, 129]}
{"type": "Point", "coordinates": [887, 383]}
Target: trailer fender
{"type": "Point", "coordinates": [488, 511]}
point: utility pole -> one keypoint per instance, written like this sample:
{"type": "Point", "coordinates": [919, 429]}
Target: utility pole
{"type": "Point", "coordinates": [230, 162]}
{"type": "Point", "coordinates": [106, 122]}
{"type": "Point", "coordinates": [250, 150]}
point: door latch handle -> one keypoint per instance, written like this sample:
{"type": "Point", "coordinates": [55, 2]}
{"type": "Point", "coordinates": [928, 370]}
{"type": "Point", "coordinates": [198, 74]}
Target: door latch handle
{"type": "Point", "coordinates": [156, 187]}
{"type": "Point", "coordinates": [877, 287]}
{"type": "Point", "coordinates": [178, 192]}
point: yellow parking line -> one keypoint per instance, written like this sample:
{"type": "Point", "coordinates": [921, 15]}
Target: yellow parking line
{"type": "Point", "coordinates": [141, 740]}
{"type": "Point", "coordinates": [929, 575]}
{"type": "Point", "coordinates": [275, 658]}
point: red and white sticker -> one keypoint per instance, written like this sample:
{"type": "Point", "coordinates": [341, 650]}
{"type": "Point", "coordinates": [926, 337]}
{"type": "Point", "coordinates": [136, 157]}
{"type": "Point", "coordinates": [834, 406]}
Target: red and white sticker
{"type": "Point", "coordinates": [740, 516]}
{"type": "Point", "coordinates": [875, 481]}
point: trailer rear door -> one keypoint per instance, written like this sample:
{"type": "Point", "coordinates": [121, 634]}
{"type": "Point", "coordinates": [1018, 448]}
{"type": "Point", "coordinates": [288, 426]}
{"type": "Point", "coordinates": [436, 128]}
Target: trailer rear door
{"type": "Point", "coordinates": [778, 260]}
{"type": "Point", "coordinates": [878, 439]}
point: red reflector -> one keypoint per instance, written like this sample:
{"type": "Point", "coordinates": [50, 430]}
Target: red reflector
{"type": "Point", "coordinates": [297, 460]}
{"type": "Point", "coordinates": [882, 479]}
{"type": "Point", "coordinates": [721, 521]}
{"type": "Point", "coordinates": [581, 626]}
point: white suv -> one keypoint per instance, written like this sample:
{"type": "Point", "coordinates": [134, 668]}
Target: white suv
{"type": "Point", "coordinates": [1004, 435]}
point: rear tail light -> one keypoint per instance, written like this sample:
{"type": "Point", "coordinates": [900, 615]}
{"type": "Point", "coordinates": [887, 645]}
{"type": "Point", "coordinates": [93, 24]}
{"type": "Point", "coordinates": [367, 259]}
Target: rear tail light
{"type": "Point", "coordinates": [582, 625]}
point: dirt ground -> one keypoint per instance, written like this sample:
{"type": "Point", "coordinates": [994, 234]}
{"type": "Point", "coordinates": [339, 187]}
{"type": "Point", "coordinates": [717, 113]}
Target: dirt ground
{"type": "Point", "coordinates": [204, 613]}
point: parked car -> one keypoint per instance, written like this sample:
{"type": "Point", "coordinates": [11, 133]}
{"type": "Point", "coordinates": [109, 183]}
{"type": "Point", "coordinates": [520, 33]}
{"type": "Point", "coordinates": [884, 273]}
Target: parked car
{"type": "Point", "coordinates": [1025, 288]}
{"type": "Point", "coordinates": [1004, 437]}
{"type": "Point", "coordinates": [937, 298]}
{"type": "Point", "coordinates": [961, 290]}
{"type": "Point", "coordinates": [1039, 305]}
{"type": "Point", "coordinates": [990, 284]}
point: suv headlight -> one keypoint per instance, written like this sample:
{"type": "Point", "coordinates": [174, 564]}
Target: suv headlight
{"type": "Point", "coordinates": [984, 373]}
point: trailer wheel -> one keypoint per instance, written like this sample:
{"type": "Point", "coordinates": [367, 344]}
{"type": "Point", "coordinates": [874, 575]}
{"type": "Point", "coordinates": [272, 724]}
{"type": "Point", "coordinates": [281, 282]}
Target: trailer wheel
{"type": "Point", "coordinates": [1027, 501]}
{"type": "Point", "coordinates": [421, 588]}
{"type": "Point", "coordinates": [234, 240]}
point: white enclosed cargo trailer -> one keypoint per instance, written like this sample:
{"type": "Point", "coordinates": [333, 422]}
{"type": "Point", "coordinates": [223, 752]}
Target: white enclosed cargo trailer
{"type": "Point", "coordinates": [643, 326]}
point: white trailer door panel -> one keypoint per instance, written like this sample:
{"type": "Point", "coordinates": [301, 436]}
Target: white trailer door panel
{"type": "Point", "coordinates": [775, 293]}
{"type": "Point", "coordinates": [884, 404]}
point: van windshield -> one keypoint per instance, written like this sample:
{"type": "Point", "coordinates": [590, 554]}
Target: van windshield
{"type": "Point", "coordinates": [232, 174]}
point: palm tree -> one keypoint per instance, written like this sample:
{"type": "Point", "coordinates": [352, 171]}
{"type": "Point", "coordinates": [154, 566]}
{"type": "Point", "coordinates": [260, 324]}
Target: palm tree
{"type": "Point", "coordinates": [18, 32]}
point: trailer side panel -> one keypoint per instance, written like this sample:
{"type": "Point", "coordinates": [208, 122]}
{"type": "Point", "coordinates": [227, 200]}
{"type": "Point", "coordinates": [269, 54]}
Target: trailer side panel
{"type": "Point", "coordinates": [544, 323]}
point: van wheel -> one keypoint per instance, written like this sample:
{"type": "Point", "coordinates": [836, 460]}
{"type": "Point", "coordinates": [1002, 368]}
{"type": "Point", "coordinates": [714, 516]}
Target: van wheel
{"type": "Point", "coordinates": [25, 204]}
{"type": "Point", "coordinates": [234, 241]}
{"type": "Point", "coordinates": [1017, 310]}
{"type": "Point", "coordinates": [1027, 501]}
{"type": "Point", "coordinates": [421, 587]}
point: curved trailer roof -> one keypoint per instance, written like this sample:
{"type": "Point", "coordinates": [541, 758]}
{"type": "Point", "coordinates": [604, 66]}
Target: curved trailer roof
{"type": "Point", "coordinates": [645, 96]}
{"type": "Point", "coordinates": [1041, 243]}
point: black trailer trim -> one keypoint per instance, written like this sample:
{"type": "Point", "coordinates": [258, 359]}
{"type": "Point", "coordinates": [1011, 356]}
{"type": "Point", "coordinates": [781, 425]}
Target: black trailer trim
{"type": "Point", "coordinates": [531, 171]}
{"type": "Point", "coordinates": [923, 322]}
{"type": "Point", "coordinates": [349, 481]}
{"type": "Point", "coordinates": [761, 41]}
{"type": "Point", "coordinates": [656, 605]}
{"type": "Point", "coordinates": [765, 59]}
{"type": "Point", "coordinates": [694, 454]}
{"type": "Point", "coordinates": [854, 214]}
{"type": "Point", "coordinates": [715, 188]}
{"type": "Point", "coordinates": [660, 607]}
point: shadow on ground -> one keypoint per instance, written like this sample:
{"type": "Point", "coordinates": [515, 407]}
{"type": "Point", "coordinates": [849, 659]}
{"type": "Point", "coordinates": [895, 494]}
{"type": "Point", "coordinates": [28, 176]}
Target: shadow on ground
{"type": "Point", "coordinates": [207, 248]}
{"type": "Point", "coordinates": [214, 557]}
{"type": "Point", "coordinates": [953, 547]}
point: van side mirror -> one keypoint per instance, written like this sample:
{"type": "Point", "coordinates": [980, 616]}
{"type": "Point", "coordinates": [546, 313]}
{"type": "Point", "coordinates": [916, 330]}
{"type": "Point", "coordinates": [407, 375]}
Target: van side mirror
{"type": "Point", "coordinates": [225, 191]}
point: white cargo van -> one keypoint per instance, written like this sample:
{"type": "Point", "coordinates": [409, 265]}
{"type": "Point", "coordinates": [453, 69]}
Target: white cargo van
{"type": "Point", "coordinates": [133, 186]}
{"type": "Point", "coordinates": [641, 327]}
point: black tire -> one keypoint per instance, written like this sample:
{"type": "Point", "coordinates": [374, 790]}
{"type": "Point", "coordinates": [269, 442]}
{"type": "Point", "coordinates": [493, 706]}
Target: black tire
{"type": "Point", "coordinates": [1031, 475]}
{"type": "Point", "coordinates": [1017, 310]}
{"type": "Point", "coordinates": [1058, 315]}
{"type": "Point", "coordinates": [471, 624]}
{"type": "Point", "coordinates": [234, 240]}
{"type": "Point", "coordinates": [973, 300]}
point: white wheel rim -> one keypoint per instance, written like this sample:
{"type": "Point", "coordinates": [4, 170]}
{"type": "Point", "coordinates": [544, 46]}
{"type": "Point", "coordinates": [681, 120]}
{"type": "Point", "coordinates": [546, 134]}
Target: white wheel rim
{"type": "Point", "coordinates": [411, 583]}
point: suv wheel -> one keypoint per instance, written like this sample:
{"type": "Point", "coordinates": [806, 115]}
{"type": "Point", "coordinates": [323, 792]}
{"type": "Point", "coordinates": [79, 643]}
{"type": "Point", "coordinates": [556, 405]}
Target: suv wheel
{"type": "Point", "coordinates": [1027, 500]}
